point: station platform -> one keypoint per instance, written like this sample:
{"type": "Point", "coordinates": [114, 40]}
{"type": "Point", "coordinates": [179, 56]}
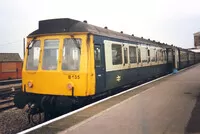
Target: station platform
{"type": "Point", "coordinates": [170, 105]}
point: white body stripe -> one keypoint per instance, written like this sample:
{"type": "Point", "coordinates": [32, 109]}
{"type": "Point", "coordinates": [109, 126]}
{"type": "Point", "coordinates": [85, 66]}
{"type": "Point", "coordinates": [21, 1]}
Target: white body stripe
{"type": "Point", "coordinates": [143, 49]}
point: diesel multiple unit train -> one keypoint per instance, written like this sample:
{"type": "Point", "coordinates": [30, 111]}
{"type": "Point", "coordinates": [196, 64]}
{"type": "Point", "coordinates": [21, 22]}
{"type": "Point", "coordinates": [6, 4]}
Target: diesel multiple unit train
{"type": "Point", "coordinates": [68, 62]}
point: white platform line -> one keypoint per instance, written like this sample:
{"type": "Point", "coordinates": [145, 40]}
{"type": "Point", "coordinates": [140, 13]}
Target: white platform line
{"type": "Point", "coordinates": [90, 105]}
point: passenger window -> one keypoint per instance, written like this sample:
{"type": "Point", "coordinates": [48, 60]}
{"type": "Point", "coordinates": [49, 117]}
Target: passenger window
{"type": "Point", "coordinates": [116, 54]}
{"type": "Point", "coordinates": [170, 56]}
{"type": "Point", "coordinates": [156, 52]}
{"type": "Point", "coordinates": [139, 55]}
{"type": "Point", "coordinates": [144, 55]}
{"type": "Point", "coordinates": [97, 56]}
{"type": "Point", "coordinates": [153, 55]}
{"type": "Point", "coordinates": [164, 54]}
{"type": "Point", "coordinates": [125, 56]}
{"type": "Point", "coordinates": [132, 54]}
{"type": "Point", "coordinates": [148, 55]}
{"type": "Point", "coordinates": [161, 55]}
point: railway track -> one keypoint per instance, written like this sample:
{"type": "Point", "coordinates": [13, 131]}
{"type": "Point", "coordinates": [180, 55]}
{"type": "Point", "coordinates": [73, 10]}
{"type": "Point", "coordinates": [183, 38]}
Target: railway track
{"type": "Point", "coordinates": [6, 104]}
{"type": "Point", "coordinates": [10, 91]}
{"type": "Point", "coordinates": [7, 82]}
{"type": "Point", "coordinates": [6, 97]}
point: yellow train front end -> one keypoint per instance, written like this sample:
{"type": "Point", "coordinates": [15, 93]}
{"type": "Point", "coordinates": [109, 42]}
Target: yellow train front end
{"type": "Point", "coordinates": [58, 72]}
{"type": "Point", "coordinates": [59, 65]}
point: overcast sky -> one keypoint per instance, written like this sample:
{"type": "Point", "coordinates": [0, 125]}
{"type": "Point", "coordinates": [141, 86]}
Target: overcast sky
{"type": "Point", "coordinates": [168, 21]}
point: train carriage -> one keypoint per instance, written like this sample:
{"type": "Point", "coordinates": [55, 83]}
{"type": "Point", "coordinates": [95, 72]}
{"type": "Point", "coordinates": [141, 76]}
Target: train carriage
{"type": "Point", "coordinates": [68, 61]}
{"type": "Point", "coordinates": [183, 58]}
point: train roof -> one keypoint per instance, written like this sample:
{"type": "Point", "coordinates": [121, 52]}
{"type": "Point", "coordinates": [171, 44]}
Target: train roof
{"type": "Point", "coordinates": [65, 25]}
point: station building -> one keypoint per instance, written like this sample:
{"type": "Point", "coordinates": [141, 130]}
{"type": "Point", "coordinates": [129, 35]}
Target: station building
{"type": "Point", "coordinates": [10, 66]}
{"type": "Point", "coordinates": [196, 43]}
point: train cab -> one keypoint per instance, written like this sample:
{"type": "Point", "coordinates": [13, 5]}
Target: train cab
{"type": "Point", "coordinates": [58, 65]}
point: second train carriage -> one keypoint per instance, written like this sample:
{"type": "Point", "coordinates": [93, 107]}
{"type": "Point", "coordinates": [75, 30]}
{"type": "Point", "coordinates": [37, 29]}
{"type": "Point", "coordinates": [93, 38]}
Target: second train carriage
{"type": "Point", "coordinates": [67, 60]}
{"type": "Point", "coordinates": [184, 58]}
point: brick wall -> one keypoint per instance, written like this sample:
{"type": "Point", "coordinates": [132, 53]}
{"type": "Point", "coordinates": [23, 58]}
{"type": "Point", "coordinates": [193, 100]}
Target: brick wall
{"type": "Point", "coordinates": [7, 71]}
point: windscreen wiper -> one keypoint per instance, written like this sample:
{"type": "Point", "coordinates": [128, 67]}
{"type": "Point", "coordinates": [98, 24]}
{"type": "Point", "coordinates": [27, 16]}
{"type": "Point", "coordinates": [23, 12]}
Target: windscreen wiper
{"type": "Point", "coordinates": [31, 42]}
{"type": "Point", "coordinates": [76, 43]}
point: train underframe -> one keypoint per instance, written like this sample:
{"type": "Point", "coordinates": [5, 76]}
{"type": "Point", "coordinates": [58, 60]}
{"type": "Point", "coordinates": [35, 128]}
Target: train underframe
{"type": "Point", "coordinates": [51, 105]}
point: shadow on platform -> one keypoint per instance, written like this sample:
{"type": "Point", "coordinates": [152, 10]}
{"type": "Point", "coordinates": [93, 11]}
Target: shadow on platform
{"type": "Point", "coordinates": [193, 125]}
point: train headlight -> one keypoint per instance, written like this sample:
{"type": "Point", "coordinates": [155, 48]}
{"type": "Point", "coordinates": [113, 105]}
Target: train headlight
{"type": "Point", "coordinates": [30, 84]}
{"type": "Point", "coordinates": [70, 86]}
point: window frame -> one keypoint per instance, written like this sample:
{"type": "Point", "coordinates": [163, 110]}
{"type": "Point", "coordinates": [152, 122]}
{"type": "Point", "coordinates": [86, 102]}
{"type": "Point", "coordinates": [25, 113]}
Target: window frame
{"type": "Point", "coordinates": [62, 49]}
{"type": "Point", "coordinates": [59, 44]}
{"type": "Point", "coordinates": [121, 48]}
{"type": "Point", "coordinates": [148, 56]}
{"type": "Point", "coordinates": [153, 55]}
{"type": "Point", "coordinates": [135, 55]}
{"type": "Point", "coordinates": [98, 46]}
{"type": "Point", "coordinates": [139, 58]}
{"type": "Point", "coordinates": [125, 49]}
{"type": "Point", "coordinates": [27, 55]}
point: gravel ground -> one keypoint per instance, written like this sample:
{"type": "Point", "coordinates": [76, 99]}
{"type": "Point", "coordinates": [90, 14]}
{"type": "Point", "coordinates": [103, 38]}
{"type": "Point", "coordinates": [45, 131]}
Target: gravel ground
{"type": "Point", "coordinates": [13, 121]}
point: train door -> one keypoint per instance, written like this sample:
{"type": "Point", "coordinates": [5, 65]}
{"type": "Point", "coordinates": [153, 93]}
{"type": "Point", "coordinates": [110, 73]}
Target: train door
{"type": "Point", "coordinates": [170, 59]}
{"type": "Point", "coordinates": [174, 59]}
{"type": "Point", "coordinates": [179, 59]}
{"type": "Point", "coordinates": [175, 56]}
{"type": "Point", "coordinates": [99, 68]}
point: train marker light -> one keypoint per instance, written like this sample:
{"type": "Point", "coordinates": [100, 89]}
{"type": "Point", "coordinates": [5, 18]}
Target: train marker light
{"type": "Point", "coordinates": [30, 84]}
{"type": "Point", "coordinates": [70, 86]}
